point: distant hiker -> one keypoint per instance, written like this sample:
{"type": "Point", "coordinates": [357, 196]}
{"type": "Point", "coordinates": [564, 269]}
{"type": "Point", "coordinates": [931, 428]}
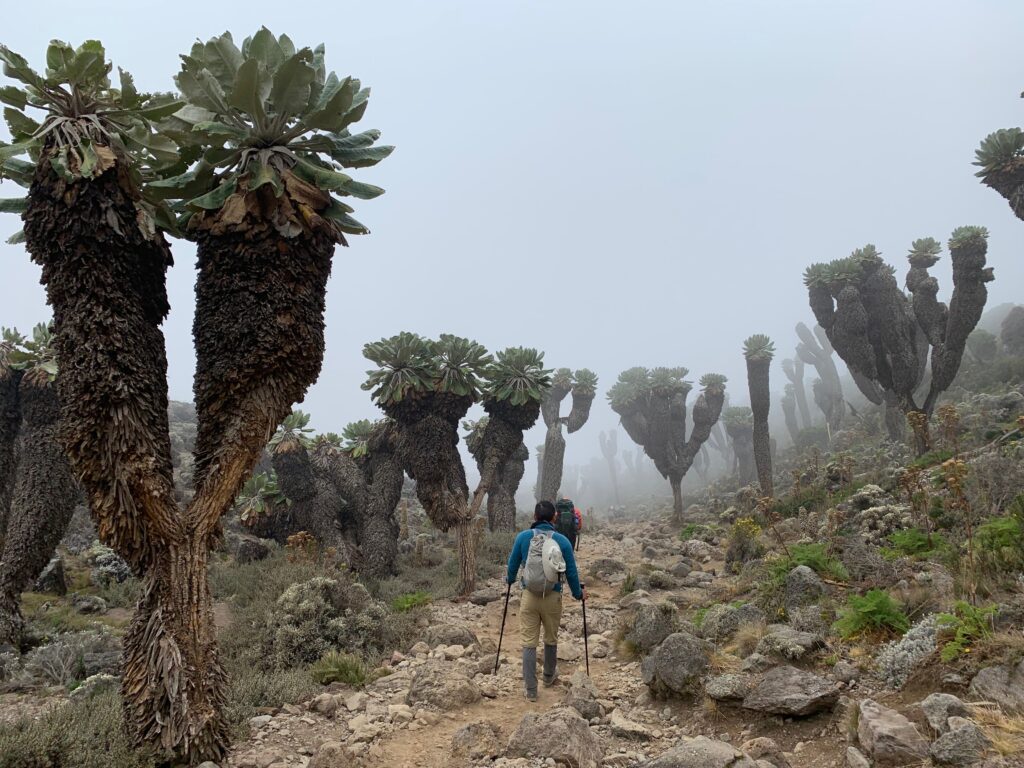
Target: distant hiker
{"type": "Point", "coordinates": [568, 520]}
{"type": "Point", "coordinates": [546, 558]}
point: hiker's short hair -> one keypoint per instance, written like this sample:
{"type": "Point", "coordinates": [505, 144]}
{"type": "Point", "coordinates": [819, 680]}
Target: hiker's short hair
{"type": "Point", "coordinates": [544, 511]}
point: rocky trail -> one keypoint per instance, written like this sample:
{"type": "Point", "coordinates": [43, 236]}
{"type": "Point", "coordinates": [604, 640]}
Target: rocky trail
{"type": "Point", "coordinates": [441, 706]}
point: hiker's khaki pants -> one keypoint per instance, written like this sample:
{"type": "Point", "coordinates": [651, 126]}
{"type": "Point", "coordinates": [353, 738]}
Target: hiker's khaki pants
{"type": "Point", "coordinates": [535, 610]}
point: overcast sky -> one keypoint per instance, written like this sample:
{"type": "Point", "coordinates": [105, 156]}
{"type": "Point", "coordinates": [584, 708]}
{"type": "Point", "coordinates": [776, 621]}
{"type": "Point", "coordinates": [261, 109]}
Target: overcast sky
{"type": "Point", "coordinates": [617, 184]}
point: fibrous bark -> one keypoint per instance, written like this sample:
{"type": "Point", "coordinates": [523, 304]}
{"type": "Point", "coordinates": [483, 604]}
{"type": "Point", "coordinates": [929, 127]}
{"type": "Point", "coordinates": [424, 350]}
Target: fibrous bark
{"type": "Point", "coordinates": [10, 421]}
{"type": "Point", "coordinates": [43, 498]}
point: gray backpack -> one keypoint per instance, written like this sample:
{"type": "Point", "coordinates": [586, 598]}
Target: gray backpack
{"type": "Point", "coordinates": [544, 563]}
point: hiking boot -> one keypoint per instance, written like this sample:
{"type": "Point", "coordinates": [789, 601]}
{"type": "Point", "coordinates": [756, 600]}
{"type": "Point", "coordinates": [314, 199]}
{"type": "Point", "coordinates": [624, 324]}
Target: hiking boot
{"type": "Point", "coordinates": [530, 672]}
{"type": "Point", "coordinates": [550, 665]}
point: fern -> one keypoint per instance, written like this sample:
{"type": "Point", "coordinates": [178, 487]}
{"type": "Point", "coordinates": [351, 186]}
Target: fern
{"type": "Point", "coordinates": [968, 624]}
{"type": "Point", "coordinates": [874, 613]}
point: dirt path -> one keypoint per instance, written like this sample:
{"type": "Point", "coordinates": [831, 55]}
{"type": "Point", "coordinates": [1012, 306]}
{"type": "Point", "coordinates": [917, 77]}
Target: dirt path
{"type": "Point", "coordinates": [430, 747]}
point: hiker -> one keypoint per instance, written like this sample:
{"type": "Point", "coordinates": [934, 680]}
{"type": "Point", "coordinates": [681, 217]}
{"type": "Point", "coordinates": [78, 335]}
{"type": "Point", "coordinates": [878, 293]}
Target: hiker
{"type": "Point", "coordinates": [546, 558]}
{"type": "Point", "coordinates": [568, 520]}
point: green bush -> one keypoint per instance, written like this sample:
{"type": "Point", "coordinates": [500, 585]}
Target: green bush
{"type": "Point", "coordinates": [814, 556]}
{"type": "Point", "coordinates": [931, 458]}
{"type": "Point", "coordinates": [698, 531]}
{"type": "Point", "coordinates": [810, 497]}
{"type": "Point", "coordinates": [410, 600]}
{"type": "Point", "coordinates": [336, 667]}
{"type": "Point", "coordinates": [915, 543]}
{"type": "Point", "coordinates": [84, 733]}
{"type": "Point", "coordinates": [874, 613]}
{"type": "Point", "coordinates": [968, 624]}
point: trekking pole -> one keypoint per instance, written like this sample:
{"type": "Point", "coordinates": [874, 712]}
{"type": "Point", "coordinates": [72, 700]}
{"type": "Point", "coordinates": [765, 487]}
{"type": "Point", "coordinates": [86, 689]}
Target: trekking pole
{"type": "Point", "coordinates": [586, 646]}
{"type": "Point", "coordinates": [501, 634]}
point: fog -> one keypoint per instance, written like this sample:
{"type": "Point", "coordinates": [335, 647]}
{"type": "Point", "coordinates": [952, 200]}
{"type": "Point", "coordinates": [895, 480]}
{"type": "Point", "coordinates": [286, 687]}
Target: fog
{"type": "Point", "coordinates": [617, 184]}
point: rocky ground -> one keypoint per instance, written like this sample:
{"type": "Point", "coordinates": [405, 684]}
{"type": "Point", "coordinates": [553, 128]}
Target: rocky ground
{"type": "Point", "coordinates": [661, 692]}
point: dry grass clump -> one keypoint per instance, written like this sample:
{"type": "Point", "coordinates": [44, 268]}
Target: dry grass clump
{"type": "Point", "coordinates": [746, 639]}
{"type": "Point", "coordinates": [1006, 732]}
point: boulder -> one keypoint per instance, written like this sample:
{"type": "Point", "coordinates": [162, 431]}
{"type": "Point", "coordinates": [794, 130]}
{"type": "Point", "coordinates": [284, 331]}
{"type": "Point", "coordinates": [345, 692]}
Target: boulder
{"type": "Point", "coordinates": [441, 685]}
{"type": "Point", "coordinates": [782, 640]}
{"type": "Point", "coordinates": [793, 692]}
{"type": "Point", "coordinates": [636, 597]}
{"type": "Point", "coordinates": [888, 737]}
{"type": "Point", "coordinates": [249, 549]}
{"type": "Point", "coordinates": [477, 741]}
{"type": "Point", "coordinates": [51, 581]}
{"type": "Point", "coordinates": [728, 687]}
{"type": "Point", "coordinates": [682, 568]}
{"type": "Point", "coordinates": [332, 754]}
{"type": "Point", "coordinates": [89, 604]}
{"type": "Point", "coordinates": [651, 624]}
{"type": "Point", "coordinates": [767, 750]}
{"type": "Point", "coordinates": [486, 595]}
{"type": "Point", "coordinates": [604, 567]}
{"type": "Point", "coordinates": [845, 672]}
{"type": "Point", "coordinates": [582, 696]}
{"type": "Point", "coordinates": [1003, 685]}
{"type": "Point", "coordinates": [701, 752]}
{"type": "Point", "coordinates": [697, 549]}
{"type": "Point", "coordinates": [676, 666]}
{"type": "Point", "coordinates": [939, 707]}
{"type": "Point", "coordinates": [625, 728]}
{"type": "Point", "coordinates": [450, 634]}
{"type": "Point", "coordinates": [560, 734]}
{"type": "Point", "coordinates": [803, 587]}
{"type": "Point", "coordinates": [722, 620]}
{"type": "Point", "coordinates": [962, 745]}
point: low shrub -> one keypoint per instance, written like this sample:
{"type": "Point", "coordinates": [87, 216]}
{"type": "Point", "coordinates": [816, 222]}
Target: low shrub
{"type": "Point", "coordinates": [410, 600]}
{"type": "Point", "coordinates": [250, 688]}
{"type": "Point", "coordinates": [931, 459]}
{"type": "Point", "coordinates": [337, 667]}
{"type": "Point", "coordinates": [967, 624]}
{"type": "Point", "coordinates": [873, 614]}
{"type": "Point", "coordinates": [629, 584]}
{"type": "Point", "coordinates": [85, 733]}
{"type": "Point", "coordinates": [813, 555]}
{"type": "Point", "coordinates": [915, 543]}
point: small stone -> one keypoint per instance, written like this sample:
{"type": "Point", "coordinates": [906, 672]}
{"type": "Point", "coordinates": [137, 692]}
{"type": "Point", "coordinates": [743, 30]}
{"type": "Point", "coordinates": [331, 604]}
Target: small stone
{"type": "Point", "coordinates": [259, 721]}
{"type": "Point", "coordinates": [855, 758]}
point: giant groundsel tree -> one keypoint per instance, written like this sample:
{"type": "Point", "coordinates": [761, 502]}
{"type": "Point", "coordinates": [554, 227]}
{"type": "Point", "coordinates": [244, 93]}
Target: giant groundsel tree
{"type": "Point", "coordinates": [884, 336]}
{"type": "Point", "coordinates": [254, 156]}
{"type": "Point", "coordinates": [1001, 159]}
{"type": "Point", "coordinates": [758, 351]}
{"type": "Point", "coordinates": [651, 404]}
{"type": "Point", "coordinates": [583, 386]}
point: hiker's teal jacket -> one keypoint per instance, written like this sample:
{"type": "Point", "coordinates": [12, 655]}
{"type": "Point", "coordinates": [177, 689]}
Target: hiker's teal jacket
{"type": "Point", "coordinates": [521, 549]}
